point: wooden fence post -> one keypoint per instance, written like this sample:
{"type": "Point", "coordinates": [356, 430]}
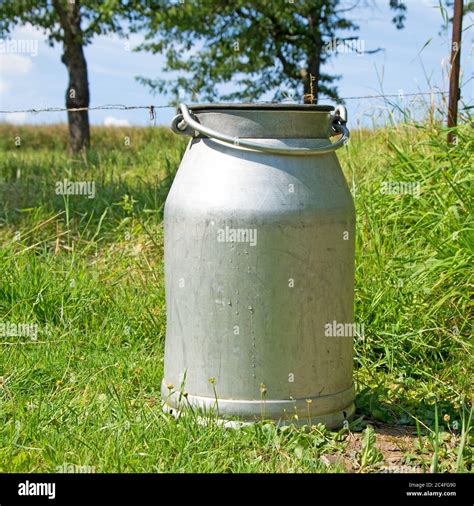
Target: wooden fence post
{"type": "Point", "coordinates": [454, 90]}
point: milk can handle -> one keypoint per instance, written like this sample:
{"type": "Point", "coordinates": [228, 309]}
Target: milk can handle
{"type": "Point", "coordinates": [184, 123]}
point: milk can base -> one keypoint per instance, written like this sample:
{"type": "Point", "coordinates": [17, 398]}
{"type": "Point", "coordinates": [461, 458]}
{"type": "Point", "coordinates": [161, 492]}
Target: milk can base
{"type": "Point", "coordinates": [236, 413]}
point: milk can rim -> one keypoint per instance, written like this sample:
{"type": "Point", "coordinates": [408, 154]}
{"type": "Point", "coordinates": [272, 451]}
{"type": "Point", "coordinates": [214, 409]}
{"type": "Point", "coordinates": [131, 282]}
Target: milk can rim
{"type": "Point", "coordinates": [260, 107]}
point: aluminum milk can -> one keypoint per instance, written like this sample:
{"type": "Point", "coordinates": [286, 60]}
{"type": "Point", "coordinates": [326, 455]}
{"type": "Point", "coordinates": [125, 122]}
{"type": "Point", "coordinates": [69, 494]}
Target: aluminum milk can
{"type": "Point", "coordinates": [259, 265]}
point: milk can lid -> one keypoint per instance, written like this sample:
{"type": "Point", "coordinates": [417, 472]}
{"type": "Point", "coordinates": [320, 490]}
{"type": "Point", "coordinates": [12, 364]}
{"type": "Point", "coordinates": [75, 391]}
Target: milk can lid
{"type": "Point", "coordinates": [262, 106]}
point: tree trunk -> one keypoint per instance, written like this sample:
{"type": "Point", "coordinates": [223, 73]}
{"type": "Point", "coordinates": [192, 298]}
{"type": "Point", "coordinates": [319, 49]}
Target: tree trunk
{"type": "Point", "coordinates": [77, 95]}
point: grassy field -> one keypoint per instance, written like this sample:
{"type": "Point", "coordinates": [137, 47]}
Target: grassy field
{"type": "Point", "coordinates": [82, 395]}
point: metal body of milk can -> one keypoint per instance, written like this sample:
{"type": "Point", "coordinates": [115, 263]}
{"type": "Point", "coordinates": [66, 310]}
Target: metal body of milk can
{"type": "Point", "coordinates": [259, 265]}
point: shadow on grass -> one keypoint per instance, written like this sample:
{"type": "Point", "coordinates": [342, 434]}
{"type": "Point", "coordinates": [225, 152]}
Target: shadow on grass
{"type": "Point", "coordinates": [136, 162]}
{"type": "Point", "coordinates": [28, 187]}
{"type": "Point", "coordinates": [398, 412]}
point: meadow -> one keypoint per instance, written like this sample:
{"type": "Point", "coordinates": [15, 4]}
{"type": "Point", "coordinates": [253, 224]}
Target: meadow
{"type": "Point", "coordinates": [82, 392]}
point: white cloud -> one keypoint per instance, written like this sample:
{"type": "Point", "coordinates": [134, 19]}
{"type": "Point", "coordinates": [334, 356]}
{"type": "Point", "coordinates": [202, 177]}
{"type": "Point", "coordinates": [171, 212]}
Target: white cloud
{"type": "Point", "coordinates": [17, 118]}
{"type": "Point", "coordinates": [15, 64]}
{"type": "Point", "coordinates": [112, 121]}
{"type": "Point", "coordinates": [29, 31]}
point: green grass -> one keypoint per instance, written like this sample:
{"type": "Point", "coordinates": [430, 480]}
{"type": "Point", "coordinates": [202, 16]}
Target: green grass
{"type": "Point", "coordinates": [89, 273]}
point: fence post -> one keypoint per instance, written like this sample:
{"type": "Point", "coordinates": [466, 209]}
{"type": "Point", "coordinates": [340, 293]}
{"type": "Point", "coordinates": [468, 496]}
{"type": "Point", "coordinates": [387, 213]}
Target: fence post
{"type": "Point", "coordinates": [454, 90]}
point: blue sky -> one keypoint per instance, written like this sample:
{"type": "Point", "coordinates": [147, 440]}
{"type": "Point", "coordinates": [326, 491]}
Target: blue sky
{"type": "Point", "coordinates": [405, 66]}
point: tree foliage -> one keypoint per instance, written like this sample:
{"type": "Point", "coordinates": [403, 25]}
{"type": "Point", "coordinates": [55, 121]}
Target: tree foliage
{"type": "Point", "coordinates": [276, 46]}
{"type": "Point", "coordinates": [73, 24]}
{"type": "Point", "coordinates": [97, 17]}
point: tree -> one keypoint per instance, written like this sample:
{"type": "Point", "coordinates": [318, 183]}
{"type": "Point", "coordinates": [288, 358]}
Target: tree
{"type": "Point", "coordinates": [72, 23]}
{"type": "Point", "coordinates": [260, 45]}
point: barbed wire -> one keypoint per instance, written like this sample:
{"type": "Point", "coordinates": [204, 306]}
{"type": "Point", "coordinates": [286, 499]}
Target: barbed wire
{"type": "Point", "coordinates": [399, 95]}
{"type": "Point", "coordinates": [151, 108]}
{"type": "Point", "coordinates": [110, 107]}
